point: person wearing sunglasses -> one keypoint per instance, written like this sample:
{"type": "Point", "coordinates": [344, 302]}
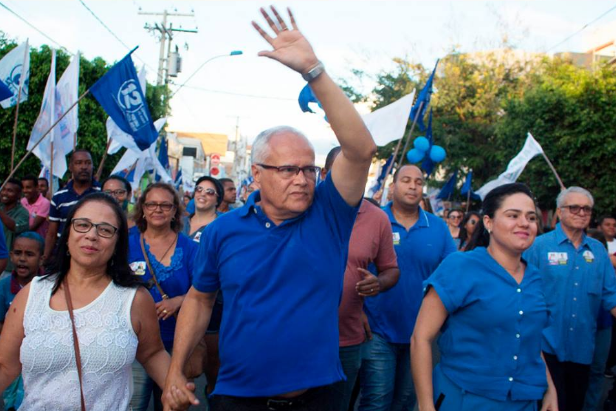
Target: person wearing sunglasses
{"type": "Point", "coordinates": [207, 197]}
{"type": "Point", "coordinates": [157, 244]}
{"type": "Point", "coordinates": [279, 260]}
{"type": "Point", "coordinates": [89, 313]}
{"type": "Point", "coordinates": [578, 279]}
{"type": "Point", "coordinates": [454, 218]}
{"type": "Point", "coordinates": [120, 189]}
{"type": "Point", "coordinates": [467, 228]}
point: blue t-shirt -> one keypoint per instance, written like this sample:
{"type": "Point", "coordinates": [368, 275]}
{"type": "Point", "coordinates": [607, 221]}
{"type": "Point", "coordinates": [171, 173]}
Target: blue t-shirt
{"type": "Point", "coordinates": [174, 279]}
{"type": "Point", "coordinates": [6, 296]}
{"type": "Point", "coordinates": [491, 342]}
{"type": "Point", "coordinates": [281, 286]}
{"type": "Point", "coordinates": [576, 283]}
{"type": "Point", "coordinates": [420, 250]}
{"type": "Point", "coordinates": [3, 251]}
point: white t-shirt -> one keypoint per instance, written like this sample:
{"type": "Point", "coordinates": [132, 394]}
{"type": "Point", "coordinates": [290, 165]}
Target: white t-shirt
{"type": "Point", "coordinates": [611, 247]}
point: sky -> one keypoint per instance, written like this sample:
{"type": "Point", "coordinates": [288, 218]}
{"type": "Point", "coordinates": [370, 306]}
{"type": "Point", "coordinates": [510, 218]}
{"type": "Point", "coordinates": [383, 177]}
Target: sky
{"type": "Point", "coordinates": [248, 93]}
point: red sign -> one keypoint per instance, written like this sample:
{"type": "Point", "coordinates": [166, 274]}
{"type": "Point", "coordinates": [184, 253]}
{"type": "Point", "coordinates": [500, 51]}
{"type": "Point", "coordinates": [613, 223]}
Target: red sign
{"type": "Point", "coordinates": [214, 171]}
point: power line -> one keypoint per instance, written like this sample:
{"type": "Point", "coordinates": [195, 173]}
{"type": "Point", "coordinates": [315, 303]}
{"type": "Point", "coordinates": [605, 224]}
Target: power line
{"type": "Point", "coordinates": [112, 33]}
{"type": "Point", "coordinates": [239, 94]}
{"type": "Point", "coordinates": [35, 28]}
{"type": "Point", "coordinates": [582, 29]}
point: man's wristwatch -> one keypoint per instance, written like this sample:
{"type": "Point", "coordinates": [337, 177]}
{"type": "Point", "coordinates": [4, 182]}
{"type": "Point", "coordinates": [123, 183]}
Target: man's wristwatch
{"type": "Point", "coordinates": [314, 72]}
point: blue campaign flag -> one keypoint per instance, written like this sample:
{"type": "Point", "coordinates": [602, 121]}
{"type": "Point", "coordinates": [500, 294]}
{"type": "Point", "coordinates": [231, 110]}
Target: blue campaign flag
{"type": "Point", "coordinates": [468, 186]}
{"type": "Point", "coordinates": [178, 180]}
{"type": "Point", "coordinates": [163, 156]}
{"type": "Point", "coordinates": [427, 164]}
{"type": "Point", "coordinates": [120, 94]}
{"type": "Point", "coordinates": [381, 178]}
{"type": "Point", "coordinates": [5, 91]}
{"type": "Point", "coordinates": [307, 96]}
{"type": "Point", "coordinates": [449, 187]}
{"type": "Point", "coordinates": [424, 97]}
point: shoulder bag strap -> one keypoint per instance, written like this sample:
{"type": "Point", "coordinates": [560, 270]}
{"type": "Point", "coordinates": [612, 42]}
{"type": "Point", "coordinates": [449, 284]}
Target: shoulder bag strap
{"type": "Point", "coordinates": [69, 303]}
{"type": "Point", "coordinates": [152, 272]}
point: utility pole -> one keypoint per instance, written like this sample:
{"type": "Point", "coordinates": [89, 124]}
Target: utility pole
{"type": "Point", "coordinates": [166, 35]}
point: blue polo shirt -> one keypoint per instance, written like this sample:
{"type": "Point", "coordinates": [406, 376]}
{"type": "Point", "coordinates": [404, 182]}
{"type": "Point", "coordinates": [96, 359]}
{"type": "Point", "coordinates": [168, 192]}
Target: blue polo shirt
{"type": "Point", "coordinates": [63, 200]}
{"type": "Point", "coordinates": [174, 279]}
{"type": "Point", "coordinates": [281, 286]}
{"type": "Point", "coordinates": [491, 342]}
{"type": "Point", "coordinates": [6, 296]}
{"type": "Point", "coordinates": [420, 250]}
{"type": "Point", "coordinates": [576, 283]}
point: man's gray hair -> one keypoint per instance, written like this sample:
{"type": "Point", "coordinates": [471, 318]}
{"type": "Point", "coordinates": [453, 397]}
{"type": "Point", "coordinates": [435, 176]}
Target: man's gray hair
{"type": "Point", "coordinates": [261, 148]}
{"type": "Point", "coordinates": [560, 200]}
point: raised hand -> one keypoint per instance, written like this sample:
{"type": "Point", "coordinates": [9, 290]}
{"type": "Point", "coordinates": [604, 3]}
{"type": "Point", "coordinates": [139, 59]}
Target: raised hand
{"type": "Point", "coordinates": [290, 47]}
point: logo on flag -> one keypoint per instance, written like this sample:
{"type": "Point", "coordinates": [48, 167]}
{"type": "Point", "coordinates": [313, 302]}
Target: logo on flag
{"type": "Point", "coordinates": [15, 70]}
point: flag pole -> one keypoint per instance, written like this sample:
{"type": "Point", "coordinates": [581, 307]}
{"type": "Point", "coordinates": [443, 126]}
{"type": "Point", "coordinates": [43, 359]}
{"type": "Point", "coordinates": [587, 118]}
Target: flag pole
{"type": "Point", "coordinates": [468, 200]}
{"type": "Point", "coordinates": [51, 166]}
{"type": "Point", "coordinates": [99, 172]}
{"type": "Point", "coordinates": [562, 186]}
{"type": "Point", "coordinates": [42, 138]}
{"type": "Point", "coordinates": [408, 137]}
{"type": "Point", "coordinates": [21, 81]}
{"type": "Point", "coordinates": [393, 160]}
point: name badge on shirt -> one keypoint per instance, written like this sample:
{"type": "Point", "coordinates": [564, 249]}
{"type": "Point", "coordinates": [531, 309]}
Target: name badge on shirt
{"type": "Point", "coordinates": [138, 267]}
{"type": "Point", "coordinates": [555, 258]}
{"type": "Point", "coordinates": [588, 256]}
{"type": "Point", "coordinates": [396, 238]}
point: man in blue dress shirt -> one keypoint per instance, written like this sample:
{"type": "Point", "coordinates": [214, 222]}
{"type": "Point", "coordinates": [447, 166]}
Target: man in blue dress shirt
{"type": "Point", "coordinates": [279, 261]}
{"type": "Point", "coordinates": [421, 241]}
{"type": "Point", "coordinates": [578, 279]}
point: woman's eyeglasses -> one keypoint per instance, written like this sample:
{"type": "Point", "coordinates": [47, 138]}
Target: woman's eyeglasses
{"type": "Point", "coordinates": [151, 206]}
{"type": "Point", "coordinates": [83, 225]}
{"type": "Point", "coordinates": [206, 191]}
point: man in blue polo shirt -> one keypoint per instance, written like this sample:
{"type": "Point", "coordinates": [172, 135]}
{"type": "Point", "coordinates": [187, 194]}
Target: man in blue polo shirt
{"type": "Point", "coordinates": [81, 184]}
{"type": "Point", "coordinates": [578, 279]}
{"type": "Point", "coordinates": [279, 261]}
{"type": "Point", "coordinates": [421, 241]}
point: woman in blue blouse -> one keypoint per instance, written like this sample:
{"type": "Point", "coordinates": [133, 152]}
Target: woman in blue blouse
{"type": "Point", "coordinates": [158, 219]}
{"type": "Point", "coordinates": [489, 305]}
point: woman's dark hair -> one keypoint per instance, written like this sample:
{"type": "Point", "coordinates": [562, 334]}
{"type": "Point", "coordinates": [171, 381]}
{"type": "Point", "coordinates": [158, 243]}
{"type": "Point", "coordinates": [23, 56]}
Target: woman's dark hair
{"type": "Point", "coordinates": [464, 238]}
{"type": "Point", "coordinates": [427, 204]}
{"type": "Point", "coordinates": [127, 186]}
{"type": "Point", "coordinates": [220, 191]}
{"type": "Point", "coordinates": [492, 202]}
{"type": "Point", "coordinates": [454, 210]}
{"type": "Point", "coordinates": [117, 266]}
{"type": "Point", "coordinates": [176, 221]}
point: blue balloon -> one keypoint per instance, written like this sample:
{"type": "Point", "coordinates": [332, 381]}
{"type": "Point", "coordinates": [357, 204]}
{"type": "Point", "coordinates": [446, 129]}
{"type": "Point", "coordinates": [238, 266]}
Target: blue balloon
{"type": "Point", "coordinates": [414, 155]}
{"type": "Point", "coordinates": [422, 144]}
{"type": "Point", "coordinates": [437, 154]}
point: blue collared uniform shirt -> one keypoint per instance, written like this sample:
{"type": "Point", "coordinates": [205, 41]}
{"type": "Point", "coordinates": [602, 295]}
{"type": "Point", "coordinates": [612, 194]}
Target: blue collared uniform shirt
{"type": "Point", "coordinates": [491, 342]}
{"type": "Point", "coordinates": [3, 250]}
{"type": "Point", "coordinates": [576, 283]}
{"type": "Point", "coordinates": [419, 250]}
{"type": "Point", "coordinates": [281, 286]}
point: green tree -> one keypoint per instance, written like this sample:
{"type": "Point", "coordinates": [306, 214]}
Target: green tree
{"type": "Point", "coordinates": [92, 133]}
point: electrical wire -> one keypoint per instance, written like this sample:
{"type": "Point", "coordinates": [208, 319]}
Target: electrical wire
{"type": "Point", "coordinates": [239, 94]}
{"type": "Point", "coordinates": [36, 28]}
{"type": "Point", "coordinates": [582, 29]}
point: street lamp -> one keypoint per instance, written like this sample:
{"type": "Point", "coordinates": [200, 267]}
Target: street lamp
{"type": "Point", "coordinates": [233, 53]}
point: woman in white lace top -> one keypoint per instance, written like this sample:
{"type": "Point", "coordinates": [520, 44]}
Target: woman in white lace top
{"type": "Point", "coordinates": [115, 319]}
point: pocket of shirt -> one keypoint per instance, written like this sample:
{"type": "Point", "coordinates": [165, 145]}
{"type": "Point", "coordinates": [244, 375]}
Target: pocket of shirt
{"type": "Point", "coordinates": [595, 285]}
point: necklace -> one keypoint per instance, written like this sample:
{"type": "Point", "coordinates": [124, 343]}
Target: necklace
{"type": "Point", "coordinates": [168, 248]}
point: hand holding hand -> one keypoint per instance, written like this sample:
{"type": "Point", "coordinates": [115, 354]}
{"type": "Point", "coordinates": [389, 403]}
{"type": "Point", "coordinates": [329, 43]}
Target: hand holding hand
{"type": "Point", "coordinates": [290, 46]}
{"type": "Point", "coordinates": [168, 307]}
{"type": "Point", "coordinates": [179, 394]}
{"type": "Point", "coordinates": [369, 286]}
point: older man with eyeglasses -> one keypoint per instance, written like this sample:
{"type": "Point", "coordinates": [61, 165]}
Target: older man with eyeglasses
{"type": "Point", "coordinates": [578, 279]}
{"type": "Point", "coordinates": [279, 261]}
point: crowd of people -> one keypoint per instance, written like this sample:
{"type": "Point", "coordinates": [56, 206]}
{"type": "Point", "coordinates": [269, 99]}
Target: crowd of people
{"type": "Point", "coordinates": [301, 294]}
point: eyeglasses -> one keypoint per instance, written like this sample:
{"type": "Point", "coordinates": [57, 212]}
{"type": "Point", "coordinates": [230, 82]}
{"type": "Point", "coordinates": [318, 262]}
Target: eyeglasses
{"type": "Point", "coordinates": [576, 209]}
{"type": "Point", "coordinates": [208, 191]}
{"type": "Point", "coordinates": [472, 222]}
{"type": "Point", "coordinates": [457, 217]}
{"type": "Point", "coordinates": [286, 172]}
{"type": "Point", "coordinates": [118, 192]}
{"type": "Point", "coordinates": [163, 206]}
{"type": "Point", "coordinates": [83, 225]}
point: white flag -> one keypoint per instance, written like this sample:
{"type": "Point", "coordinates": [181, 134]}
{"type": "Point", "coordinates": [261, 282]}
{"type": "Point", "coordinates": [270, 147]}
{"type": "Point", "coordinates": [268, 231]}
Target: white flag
{"type": "Point", "coordinates": [45, 120]}
{"type": "Point", "coordinates": [117, 136]}
{"type": "Point", "coordinates": [388, 123]}
{"type": "Point", "coordinates": [67, 92]}
{"type": "Point", "coordinates": [14, 69]}
{"type": "Point", "coordinates": [516, 166]}
{"type": "Point", "coordinates": [145, 160]}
